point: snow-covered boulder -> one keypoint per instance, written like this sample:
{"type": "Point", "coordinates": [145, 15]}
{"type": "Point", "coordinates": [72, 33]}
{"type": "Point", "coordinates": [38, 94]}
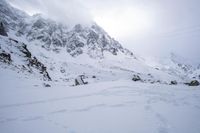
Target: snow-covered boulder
{"type": "Point", "coordinates": [136, 78]}
{"type": "Point", "coordinates": [79, 80]}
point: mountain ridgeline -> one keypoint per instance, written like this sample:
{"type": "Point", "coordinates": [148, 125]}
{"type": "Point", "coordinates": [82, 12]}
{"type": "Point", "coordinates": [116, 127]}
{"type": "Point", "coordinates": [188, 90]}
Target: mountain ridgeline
{"type": "Point", "coordinates": [43, 48]}
{"type": "Point", "coordinates": [79, 39]}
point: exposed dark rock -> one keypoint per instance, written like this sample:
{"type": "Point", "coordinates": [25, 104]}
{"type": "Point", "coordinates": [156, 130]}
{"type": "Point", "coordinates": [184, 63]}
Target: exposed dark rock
{"type": "Point", "coordinates": [174, 82]}
{"type": "Point", "coordinates": [34, 62]}
{"type": "Point", "coordinates": [38, 65]}
{"type": "Point", "coordinates": [5, 57]}
{"type": "Point", "coordinates": [193, 83]}
{"type": "Point", "coordinates": [13, 40]}
{"type": "Point", "coordinates": [136, 78]}
{"type": "Point", "coordinates": [79, 80]}
{"type": "Point", "coordinates": [46, 76]}
{"type": "Point", "coordinates": [46, 85]}
{"type": "Point", "coordinates": [76, 82]}
{"type": "Point", "coordinates": [2, 30]}
{"type": "Point", "coordinates": [25, 51]}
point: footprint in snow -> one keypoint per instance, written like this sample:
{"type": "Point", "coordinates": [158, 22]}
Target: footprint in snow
{"type": "Point", "coordinates": [163, 125]}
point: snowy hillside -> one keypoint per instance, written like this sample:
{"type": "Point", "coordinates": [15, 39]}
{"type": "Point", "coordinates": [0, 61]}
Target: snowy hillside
{"type": "Point", "coordinates": [120, 106]}
{"type": "Point", "coordinates": [52, 51]}
{"type": "Point", "coordinates": [48, 50]}
{"type": "Point", "coordinates": [176, 65]}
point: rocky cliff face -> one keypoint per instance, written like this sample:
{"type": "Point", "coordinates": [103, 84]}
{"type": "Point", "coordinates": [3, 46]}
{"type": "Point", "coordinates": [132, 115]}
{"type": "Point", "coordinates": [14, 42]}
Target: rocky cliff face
{"type": "Point", "coordinates": [16, 56]}
{"type": "Point", "coordinates": [91, 39]}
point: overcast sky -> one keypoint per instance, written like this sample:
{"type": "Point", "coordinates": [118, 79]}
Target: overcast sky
{"type": "Point", "coordinates": [147, 27]}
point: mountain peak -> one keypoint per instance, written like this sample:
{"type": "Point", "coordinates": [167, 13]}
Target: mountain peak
{"type": "Point", "coordinates": [81, 39]}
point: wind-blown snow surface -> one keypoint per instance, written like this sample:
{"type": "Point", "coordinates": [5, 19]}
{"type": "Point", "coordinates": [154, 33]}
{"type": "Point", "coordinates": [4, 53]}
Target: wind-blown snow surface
{"type": "Point", "coordinates": [120, 106]}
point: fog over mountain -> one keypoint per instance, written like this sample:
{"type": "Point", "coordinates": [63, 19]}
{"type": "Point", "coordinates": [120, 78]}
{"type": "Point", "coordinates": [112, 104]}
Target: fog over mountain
{"type": "Point", "coordinates": [149, 28]}
{"type": "Point", "coordinates": [65, 11]}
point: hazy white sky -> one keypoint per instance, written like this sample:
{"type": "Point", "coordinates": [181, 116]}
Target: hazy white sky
{"type": "Point", "coordinates": [148, 27]}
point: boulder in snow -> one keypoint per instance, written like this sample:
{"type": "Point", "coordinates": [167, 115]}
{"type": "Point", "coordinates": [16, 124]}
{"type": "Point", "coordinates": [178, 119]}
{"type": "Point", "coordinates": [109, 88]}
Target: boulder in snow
{"type": "Point", "coordinates": [136, 78]}
{"type": "Point", "coordinates": [79, 80]}
{"type": "Point", "coordinates": [193, 83]}
{"type": "Point", "coordinates": [174, 82]}
{"type": "Point", "coordinates": [46, 85]}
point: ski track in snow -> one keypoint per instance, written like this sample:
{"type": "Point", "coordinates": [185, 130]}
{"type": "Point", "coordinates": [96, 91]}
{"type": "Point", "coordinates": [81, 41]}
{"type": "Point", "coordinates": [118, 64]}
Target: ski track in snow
{"type": "Point", "coordinates": [123, 97]}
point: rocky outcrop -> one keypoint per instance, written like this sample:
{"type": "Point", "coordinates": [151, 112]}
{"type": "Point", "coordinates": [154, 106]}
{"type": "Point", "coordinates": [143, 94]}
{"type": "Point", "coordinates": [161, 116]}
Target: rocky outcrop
{"type": "Point", "coordinates": [2, 30]}
{"type": "Point", "coordinates": [79, 80]}
{"type": "Point", "coordinates": [46, 85]}
{"type": "Point", "coordinates": [136, 78]}
{"type": "Point", "coordinates": [174, 82]}
{"type": "Point", "coordinates": [193, 83]}
{"type": "Point", "coordinates": [34, 62]}
{"type": "Point", "coordinates": [41, 67]}
{"type": "Point", "coordinates": [5, 57]}
{"type": "Point", "coordinates": [16, 53]}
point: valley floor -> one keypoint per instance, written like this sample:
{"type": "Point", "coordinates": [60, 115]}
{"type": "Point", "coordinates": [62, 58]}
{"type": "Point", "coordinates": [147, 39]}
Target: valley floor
{"type": "Point", "coordinates": [108, 107]}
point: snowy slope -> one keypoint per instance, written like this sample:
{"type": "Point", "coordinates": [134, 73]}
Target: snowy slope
{"type": "Point", "coordinates": [62, 67]}
{"type": "Point", "coordinates": [176, 65]}
{"type": "Point", "coordinates": [120, 106]}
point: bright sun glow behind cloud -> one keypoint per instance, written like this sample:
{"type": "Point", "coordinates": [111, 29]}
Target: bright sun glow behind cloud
{"type": "Point", "coordinates": [131, 21]}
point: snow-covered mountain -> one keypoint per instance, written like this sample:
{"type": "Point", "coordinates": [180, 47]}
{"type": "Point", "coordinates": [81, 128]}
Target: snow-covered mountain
{"type": "Point", "coordinates": [79, 39]}
{"type": "Point", "coordinates": [42, 62]}
{"type": "Point", "coordinates": [176, 65]}
{"type": "Point", "coordinates": [38, 47]}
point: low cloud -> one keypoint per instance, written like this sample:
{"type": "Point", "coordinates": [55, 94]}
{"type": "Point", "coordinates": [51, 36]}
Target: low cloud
{"type": "Point", "coordinates": [69, 12]}
{"type": "Point", "coordinates": [176, 23]}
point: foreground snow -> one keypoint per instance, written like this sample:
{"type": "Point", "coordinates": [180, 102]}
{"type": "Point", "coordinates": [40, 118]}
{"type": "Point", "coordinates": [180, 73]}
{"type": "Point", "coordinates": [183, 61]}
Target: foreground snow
{"type": "Point", "coordinates": [108, 107]}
